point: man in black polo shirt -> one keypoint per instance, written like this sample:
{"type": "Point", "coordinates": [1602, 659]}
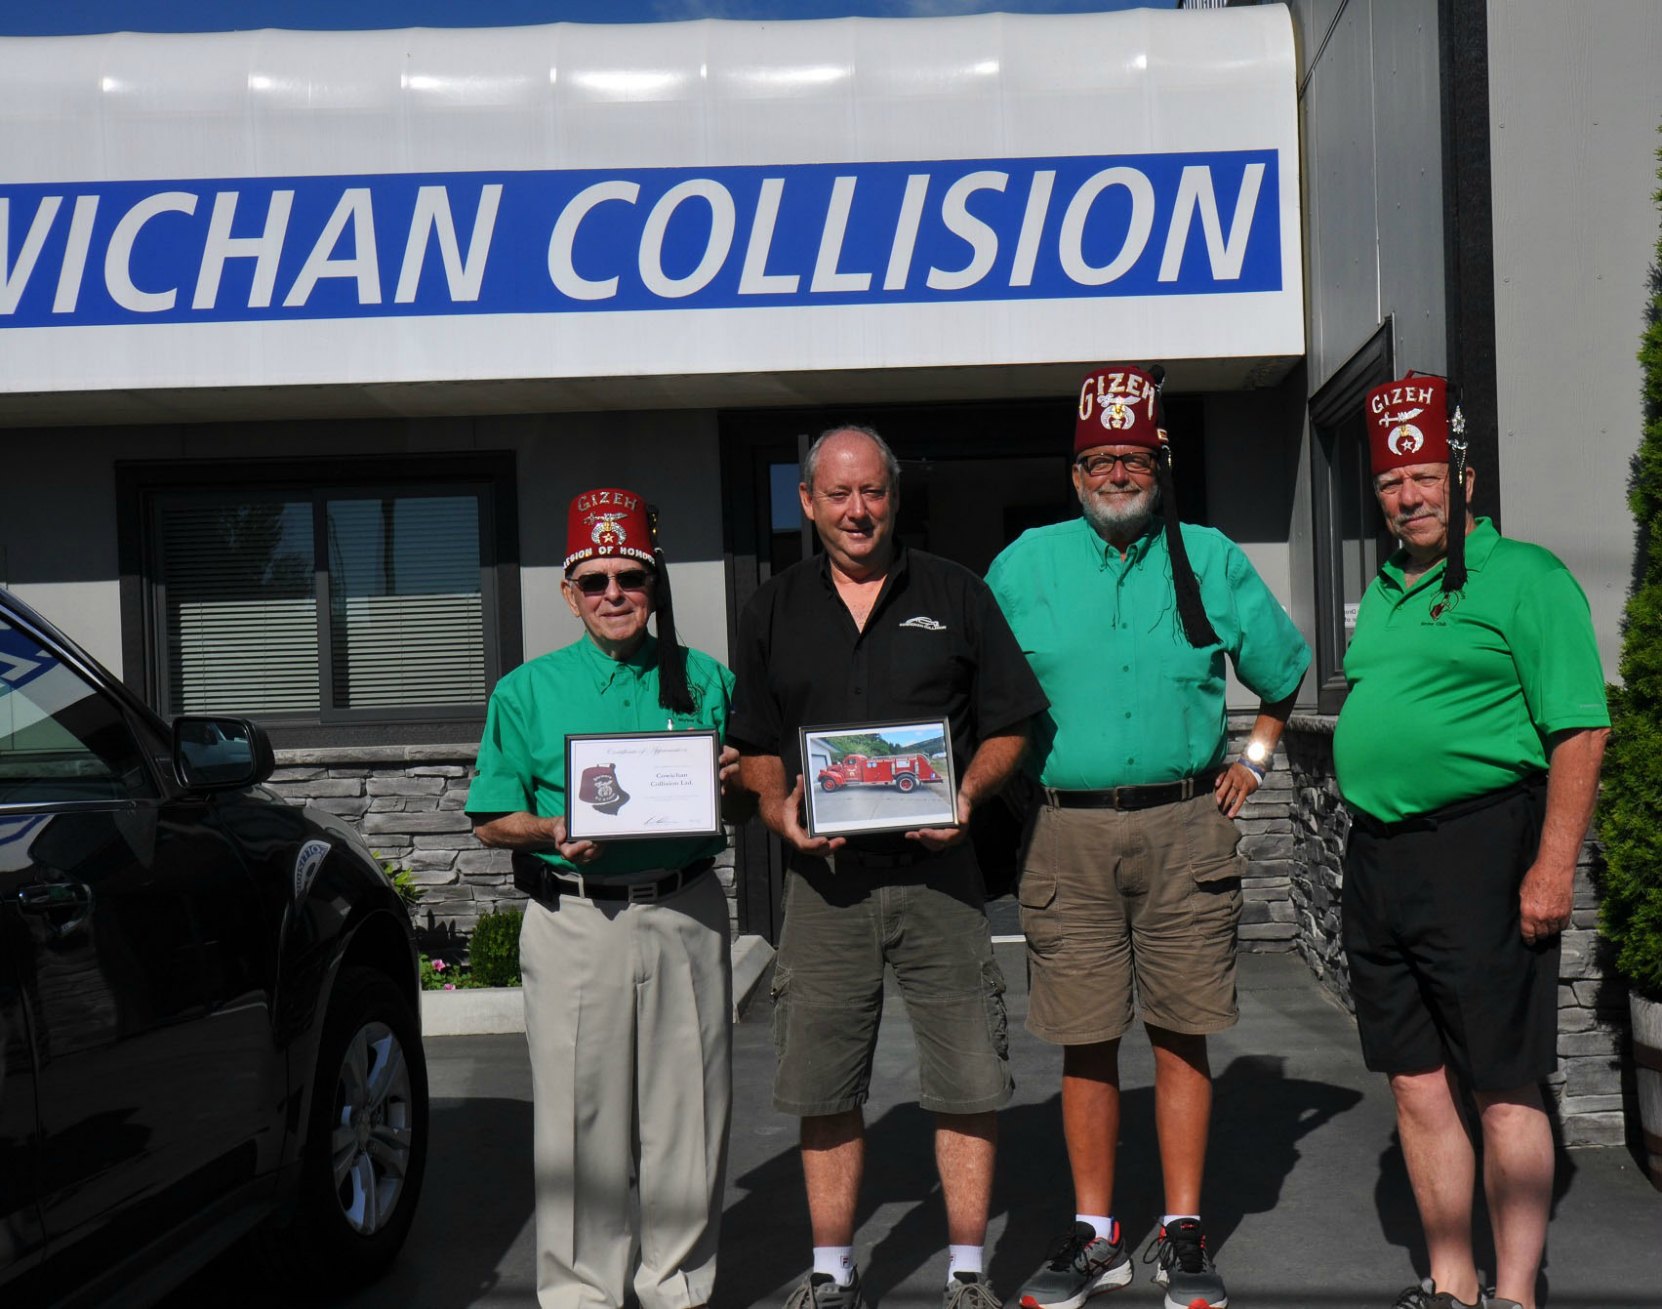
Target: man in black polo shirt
{"type": "Point", "coordinates": [867, 632]}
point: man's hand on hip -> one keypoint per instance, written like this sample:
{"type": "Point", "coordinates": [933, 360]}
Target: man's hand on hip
{"type": "Point", "coordinates": [1233, 787]}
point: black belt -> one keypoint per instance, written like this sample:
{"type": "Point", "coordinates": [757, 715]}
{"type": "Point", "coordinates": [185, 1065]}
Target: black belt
{"type": "Point", "coordinates": [1432, 819]}
{"type": "Point", "coordinates": [1134, 797]}
{"type": "Point", "coordinates": [548, 884]}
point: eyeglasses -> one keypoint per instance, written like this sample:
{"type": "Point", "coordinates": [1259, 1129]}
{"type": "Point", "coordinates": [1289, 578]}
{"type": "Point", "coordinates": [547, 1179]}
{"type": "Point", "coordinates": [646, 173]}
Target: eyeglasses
{"type": "Point", "coordinates": [628, 579]}
{"type": "Point", "coordinates": [1140, 461]}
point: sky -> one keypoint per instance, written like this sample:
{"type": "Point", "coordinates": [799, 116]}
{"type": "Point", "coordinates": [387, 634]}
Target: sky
{"type": "Point", "coordinates": [68, 17]}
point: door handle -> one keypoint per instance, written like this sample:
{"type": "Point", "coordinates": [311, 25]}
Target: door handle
{"type": "Point", "coordinates": [44, 897]}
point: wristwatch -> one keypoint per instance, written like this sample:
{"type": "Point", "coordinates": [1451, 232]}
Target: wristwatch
{"type": "Point", "coordinates": [1256, 759]}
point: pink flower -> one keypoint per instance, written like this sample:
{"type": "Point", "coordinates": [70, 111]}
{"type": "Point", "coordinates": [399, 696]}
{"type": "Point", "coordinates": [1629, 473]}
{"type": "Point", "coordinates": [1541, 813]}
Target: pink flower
{"type": "Point", "coordinates": [439, 965]}
{"type": "Point", "coordinates": [449, 986]}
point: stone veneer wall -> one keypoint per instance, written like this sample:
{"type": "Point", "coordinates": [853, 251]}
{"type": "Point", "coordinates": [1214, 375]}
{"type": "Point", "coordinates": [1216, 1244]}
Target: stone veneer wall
{"type": "Point", "coordinates": [407, 803]}
{"type": "Point", "coordinates": [1268, 923]}
{"type": "Point", "coordinates": [1592, 1003]}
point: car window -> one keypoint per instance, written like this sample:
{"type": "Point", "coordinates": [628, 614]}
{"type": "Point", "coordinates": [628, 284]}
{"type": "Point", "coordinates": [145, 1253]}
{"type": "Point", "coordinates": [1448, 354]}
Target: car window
{"type": "Point", "coordinates": [61, 738]}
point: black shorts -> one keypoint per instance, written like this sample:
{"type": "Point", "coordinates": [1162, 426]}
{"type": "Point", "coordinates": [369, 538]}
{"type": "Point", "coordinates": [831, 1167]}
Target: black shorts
{"type": "Point", "coordinates": [1438, 968]}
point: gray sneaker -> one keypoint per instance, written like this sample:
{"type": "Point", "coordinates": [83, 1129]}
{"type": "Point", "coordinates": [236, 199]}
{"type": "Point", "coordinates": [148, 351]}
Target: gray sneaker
{"type": "Point", "coordinates": [1427, 1296]}
{"type": "Point", "coordinates": [970, 1291]}
{"type": "Point", "coordinates": [1083, 1264]}
{"type": "Point", "coordinates": [820, 1291]}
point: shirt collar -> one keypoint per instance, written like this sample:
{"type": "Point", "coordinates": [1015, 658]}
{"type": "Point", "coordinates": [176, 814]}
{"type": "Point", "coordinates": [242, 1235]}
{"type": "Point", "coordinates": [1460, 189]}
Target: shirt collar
{"type": "Point", "coordinates": [606, 670]}
{"type": "Point", "coordinates": [898, 567]}
{"type": "Point", "coordinates": [1106, 553]}
{"type": "Point", "coordinates": [1480, 544]}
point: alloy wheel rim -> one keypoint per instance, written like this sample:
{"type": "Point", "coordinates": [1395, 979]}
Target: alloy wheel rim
{"type": "Point", "coordinates": [373, 1128]}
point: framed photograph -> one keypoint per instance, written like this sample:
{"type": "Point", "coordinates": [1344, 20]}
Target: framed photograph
{"type": "Point", "coordinates": [638, 785]}
{"type": "Point", "coordinates": [878, 777]}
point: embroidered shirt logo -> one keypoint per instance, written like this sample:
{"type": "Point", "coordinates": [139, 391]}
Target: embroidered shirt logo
{"type": "Point", "coordinates": [928, 624]}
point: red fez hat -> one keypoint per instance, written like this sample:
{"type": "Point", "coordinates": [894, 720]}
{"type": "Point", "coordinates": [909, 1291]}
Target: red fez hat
{"type": "Point", "coordinates": [1408, 422]}
{"type": "Point", "coordinates": [1118, 405]}
{"type": "Point", "coordinates": [608, 523]}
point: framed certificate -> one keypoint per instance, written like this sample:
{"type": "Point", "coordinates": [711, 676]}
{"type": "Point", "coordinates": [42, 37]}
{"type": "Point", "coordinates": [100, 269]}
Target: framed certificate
{"type": "Point", "coordinates": [638, 785]}
{"type": "Point", "coordinates": [878, 777]}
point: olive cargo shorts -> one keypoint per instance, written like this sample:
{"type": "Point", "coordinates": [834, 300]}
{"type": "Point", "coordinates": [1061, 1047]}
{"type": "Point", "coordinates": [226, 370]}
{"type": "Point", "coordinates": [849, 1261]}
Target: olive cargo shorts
{"type": "Point", "coordinates": [926, 921]}
{"type": "Point", "coordinates": [1109, 897]}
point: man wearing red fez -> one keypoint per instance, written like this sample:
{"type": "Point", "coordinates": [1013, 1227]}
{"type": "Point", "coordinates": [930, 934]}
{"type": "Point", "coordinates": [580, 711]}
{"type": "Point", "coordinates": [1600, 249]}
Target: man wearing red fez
{"type": "Point", "coordinates": [1468, 751]}
{"type": "Point", "coordinates": [624, 950]}
{"type": "Point", "coordinates": [872, 631]}
{"type": "Point", "coordinates": [1129, 869]}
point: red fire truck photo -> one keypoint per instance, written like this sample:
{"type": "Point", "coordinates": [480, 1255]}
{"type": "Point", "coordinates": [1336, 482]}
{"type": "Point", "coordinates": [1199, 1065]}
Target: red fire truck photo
{"type": "Point", "coordinates": [903, 771]}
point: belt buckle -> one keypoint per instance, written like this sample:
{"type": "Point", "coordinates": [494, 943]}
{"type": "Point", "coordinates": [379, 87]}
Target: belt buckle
{"type": "Point", "coordinates": [642, 892]}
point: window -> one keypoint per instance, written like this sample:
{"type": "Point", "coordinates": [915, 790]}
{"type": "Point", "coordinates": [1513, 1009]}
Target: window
{"type": "Point", "coordinates": [60, 739]}
{"type": "Point", "coordinates": [1350, 538]}
{"type": "Point", "coordinates": [364, 595]}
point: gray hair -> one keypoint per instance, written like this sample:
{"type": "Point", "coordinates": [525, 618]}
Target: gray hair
{"type": "Point", "coordinates": [810, 461]}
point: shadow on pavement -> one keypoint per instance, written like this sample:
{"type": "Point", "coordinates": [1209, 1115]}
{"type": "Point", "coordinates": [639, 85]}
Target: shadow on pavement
{"type": "Point", "coordinates": [1259, 1117]}
{"type": "Point", "coordinates": [475, 1198]}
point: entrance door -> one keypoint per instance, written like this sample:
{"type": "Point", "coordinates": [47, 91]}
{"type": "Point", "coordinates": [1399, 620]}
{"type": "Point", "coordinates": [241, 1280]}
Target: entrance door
{"type": "Point", "coordinates": [973, 479]}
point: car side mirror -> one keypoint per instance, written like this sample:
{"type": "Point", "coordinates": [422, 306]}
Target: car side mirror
{"type": "Point", "coordinates": [220, 754]}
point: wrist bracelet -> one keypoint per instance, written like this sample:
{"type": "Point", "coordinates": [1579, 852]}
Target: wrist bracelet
{"type": "Point", "coordinates": [1251, 767]}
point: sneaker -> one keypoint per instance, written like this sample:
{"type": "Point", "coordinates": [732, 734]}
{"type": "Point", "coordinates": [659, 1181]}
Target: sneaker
{"type": "Point", "coordinates": [1427, 1296]}
{"type": "Point", "coordinates": [1495, 1302]}
{"type": "Point", "coordinates": [1183, 1267]}
{"type": "Point", "coordinates": [820, 1291]}
{"type": "Point", "coordinates": [970, 1291]}
{"type": "Point", "coordinates": [1082, 1265]}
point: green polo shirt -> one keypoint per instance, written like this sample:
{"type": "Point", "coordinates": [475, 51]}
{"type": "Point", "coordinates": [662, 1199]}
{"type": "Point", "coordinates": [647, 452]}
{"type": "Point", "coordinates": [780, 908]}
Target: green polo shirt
{"type": "Point", "coordinates": [1451, 698]}
{"type": "Point", "coordinates": [522, 756]}
{"type": "Point", "coordinates": [1131, 701]}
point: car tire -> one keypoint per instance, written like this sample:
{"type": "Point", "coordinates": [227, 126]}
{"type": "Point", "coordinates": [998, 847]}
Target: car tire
{"type": "Point", "coordinates": [368, 1123]}
{"type": "Point", "coordinates": [828, 783]}
{"type": "Point", "coordinates": [906, 782]}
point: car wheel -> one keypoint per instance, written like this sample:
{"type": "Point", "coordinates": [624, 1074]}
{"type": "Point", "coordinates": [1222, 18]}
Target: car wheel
{"type": "Point", "coordinates": [828, 783]}
{"type": "Point", "coordinates": [366, 1141]}
{"type": "Point", "coordinates": [906, 782]}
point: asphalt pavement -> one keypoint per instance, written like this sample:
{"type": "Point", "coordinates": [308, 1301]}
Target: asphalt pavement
{"type": "Point", "coordinates": [1307, 1205]}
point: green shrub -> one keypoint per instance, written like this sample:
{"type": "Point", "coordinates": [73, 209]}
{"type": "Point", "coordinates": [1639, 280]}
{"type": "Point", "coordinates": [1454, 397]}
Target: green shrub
{"type": "Point", "coordinates": [402, 881]}
{"type": "Point", "coordinates": [1630, 807]}
{"type": "Point", "coordinates": [493, 949]}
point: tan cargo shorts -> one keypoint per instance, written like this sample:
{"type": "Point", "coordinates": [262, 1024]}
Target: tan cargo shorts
{"type": "Point", "coordinates": [1149, 898]}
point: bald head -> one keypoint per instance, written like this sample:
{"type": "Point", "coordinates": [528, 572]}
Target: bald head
{"type": "Point", "coordinates": [850, 491]}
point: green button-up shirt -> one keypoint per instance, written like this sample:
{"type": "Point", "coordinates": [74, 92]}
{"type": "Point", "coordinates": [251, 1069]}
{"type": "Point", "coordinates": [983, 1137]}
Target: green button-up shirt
{"type": "Point", "coordinates": [1454, 697]}
{"type": "Point", "coordinates": [522, 756]}
{"type": "Point", "coordinates": [1131, 701]}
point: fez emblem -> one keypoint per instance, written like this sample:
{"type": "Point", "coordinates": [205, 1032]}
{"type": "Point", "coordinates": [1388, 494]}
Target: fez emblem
{"type": "Point", "coordinates": [1117, 415]}
{"type": "Point", "coordinates": [607, 533]}
{"type": "Point", "coordinates": [1405, 438]}
{"type": "Point", "coordinates": [599, 787]}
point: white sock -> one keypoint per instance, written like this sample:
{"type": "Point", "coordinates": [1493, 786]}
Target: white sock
{"type": "Point", "coordinates": [962, 1259]}
{"type": "Point", "coordinates": [835, 1261]}
{"type": "Point", "coordinates": [1103, 1223]}
{"type": "Point", "coordinates": [1169, 1219]}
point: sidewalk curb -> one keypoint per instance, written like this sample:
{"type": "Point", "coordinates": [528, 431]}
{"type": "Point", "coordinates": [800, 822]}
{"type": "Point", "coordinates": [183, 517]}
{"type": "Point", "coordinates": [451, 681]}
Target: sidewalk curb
{"type": "Point", "coordinates": [492, 1010]}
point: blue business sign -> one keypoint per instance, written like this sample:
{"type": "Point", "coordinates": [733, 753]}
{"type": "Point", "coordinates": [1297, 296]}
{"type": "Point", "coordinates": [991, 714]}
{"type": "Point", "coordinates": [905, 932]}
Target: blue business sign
{"type": "Point", "coordinates": [639, 239]}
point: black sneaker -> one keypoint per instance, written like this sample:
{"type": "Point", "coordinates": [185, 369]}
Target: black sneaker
{"type": "Point", "coordinates": [1083, 1264]}
{"type": "Point", "coordinates": [1427, 1296]}
{"type": "Point", "coordinates": [821, 1291]}
{"type": "Point", "coordinates": [1183, 1267]}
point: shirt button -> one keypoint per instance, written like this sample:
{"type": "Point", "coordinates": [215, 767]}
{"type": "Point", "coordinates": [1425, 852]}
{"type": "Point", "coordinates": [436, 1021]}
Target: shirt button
{"type": "Point", "coordinates": [859, 690]}
{"type": "Point", "coordinates": [1128, 713]}
{"type": "Point", "coordinates": [1125, 668]}
{"type": "Point", "coordinates": [626, 705]}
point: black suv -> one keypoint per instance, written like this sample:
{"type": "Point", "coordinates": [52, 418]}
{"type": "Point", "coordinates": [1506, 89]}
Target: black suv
{"type": "Point", "coordinates": [209, 1017]}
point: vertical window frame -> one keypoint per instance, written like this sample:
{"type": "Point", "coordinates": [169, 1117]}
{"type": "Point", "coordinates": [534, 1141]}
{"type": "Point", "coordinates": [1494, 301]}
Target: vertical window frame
{"type": "Point", "coordinates": [1340, 398]}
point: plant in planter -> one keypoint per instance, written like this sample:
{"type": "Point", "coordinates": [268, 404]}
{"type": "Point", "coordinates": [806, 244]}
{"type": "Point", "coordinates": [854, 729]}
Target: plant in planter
{"type": "Point", "coordinates": [493, 950]}
{"type": "Point", "coordinates": [1630, 810]}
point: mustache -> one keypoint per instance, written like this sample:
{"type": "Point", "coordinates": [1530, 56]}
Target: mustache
{"type": "Point", "coordinates": [1399, 521]}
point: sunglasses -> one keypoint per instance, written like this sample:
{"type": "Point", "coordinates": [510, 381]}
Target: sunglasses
{"type": "Point", "coordinates": [628, 579]}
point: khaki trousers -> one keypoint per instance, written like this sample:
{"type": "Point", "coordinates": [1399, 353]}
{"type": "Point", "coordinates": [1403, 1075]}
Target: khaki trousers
{"type": "Point", "coordinates": [628, 1013]}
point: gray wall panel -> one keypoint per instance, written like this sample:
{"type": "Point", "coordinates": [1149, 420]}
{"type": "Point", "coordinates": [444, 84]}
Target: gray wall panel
{"type": "Point", "coordinates": [64, 563]}
{"type": "Point", "coordinates": [1574, 106]}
